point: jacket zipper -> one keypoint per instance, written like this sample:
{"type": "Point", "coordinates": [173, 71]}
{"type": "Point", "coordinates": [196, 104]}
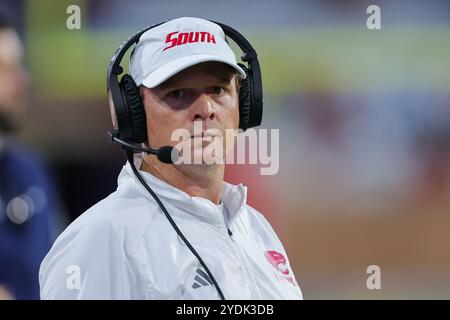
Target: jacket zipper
{"type": "Point", "coordinates": [244, 264]}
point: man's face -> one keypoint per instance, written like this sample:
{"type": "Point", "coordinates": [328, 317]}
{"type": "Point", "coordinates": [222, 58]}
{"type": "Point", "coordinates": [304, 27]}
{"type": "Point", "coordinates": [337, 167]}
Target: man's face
{"type": "Point", "coordinates": [13, 76]}
{"type": "Point", "coordinates": [206, 93]}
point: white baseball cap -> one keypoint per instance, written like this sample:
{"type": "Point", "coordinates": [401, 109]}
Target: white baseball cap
{"type": "Point", "coordinates": [171, 47]}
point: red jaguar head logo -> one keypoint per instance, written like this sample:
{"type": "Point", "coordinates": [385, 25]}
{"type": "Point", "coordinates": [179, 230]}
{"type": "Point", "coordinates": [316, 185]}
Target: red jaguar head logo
{"type": "Point", "coordinates": [278, 261]}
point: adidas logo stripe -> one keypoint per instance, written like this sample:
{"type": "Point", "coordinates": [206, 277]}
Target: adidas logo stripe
{"type": "Point", "coordinates": [201, 279]}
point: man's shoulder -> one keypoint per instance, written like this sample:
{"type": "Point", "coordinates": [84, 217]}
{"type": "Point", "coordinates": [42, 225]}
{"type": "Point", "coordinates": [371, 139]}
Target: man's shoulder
{"type": "Point", "coordinates": [123, 215]}
{"type": "Point", "coordinates": [259, 227]}
{"type": "Point", "coordinates": [103, 240]}
{"type": "Point", "coordinates": [254, 216]}
{"type": "Point", "coordinates": [26, 162]}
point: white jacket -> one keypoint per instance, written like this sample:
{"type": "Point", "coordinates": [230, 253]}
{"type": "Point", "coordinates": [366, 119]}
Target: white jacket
{"type": "Point", "coordinates": [124, 248]}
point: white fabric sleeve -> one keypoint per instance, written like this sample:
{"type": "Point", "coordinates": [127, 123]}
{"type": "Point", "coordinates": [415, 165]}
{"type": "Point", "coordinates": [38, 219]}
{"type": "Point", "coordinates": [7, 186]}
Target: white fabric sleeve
{"type": "Point", "coordinates": [88, 263]}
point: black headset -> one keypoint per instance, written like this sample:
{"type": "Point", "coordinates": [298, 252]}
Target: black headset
{"type": "Point", "coordinates": [126, 105]}
{"type": "Point", "coordinates": [129, 118]}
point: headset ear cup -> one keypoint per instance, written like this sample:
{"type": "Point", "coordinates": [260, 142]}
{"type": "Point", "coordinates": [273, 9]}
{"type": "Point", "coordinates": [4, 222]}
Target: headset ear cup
{"type": "Point", "coordinates": [135, 108]}
{"type": "Point", "coordinates": [245, 102]}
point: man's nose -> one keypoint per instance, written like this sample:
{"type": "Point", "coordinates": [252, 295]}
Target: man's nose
{"type": "Point", "coordinates": [203, 108]}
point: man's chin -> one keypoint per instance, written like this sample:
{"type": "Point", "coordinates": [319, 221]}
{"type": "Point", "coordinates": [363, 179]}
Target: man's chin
{"type": "Point", "coordinates": [200, 158]}
{"type": "Point", "coordinates": [201, 152]}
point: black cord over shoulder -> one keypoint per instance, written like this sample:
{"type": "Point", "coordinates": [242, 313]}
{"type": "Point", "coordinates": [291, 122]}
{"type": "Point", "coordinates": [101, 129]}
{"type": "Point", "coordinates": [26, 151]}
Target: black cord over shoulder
{"type": "Point", "coordinates": [174, 225]}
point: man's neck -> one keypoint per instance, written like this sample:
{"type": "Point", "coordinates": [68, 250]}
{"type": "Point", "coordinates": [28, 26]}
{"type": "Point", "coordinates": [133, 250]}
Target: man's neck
{"type": "Point", "coordinates": [197, 181]}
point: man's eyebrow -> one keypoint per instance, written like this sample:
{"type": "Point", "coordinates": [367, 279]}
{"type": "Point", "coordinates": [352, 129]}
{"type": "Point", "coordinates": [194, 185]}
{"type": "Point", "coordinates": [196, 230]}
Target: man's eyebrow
{"type": "Point", "coordinates": [225, 79]}
{"type": "Point", "coordinates": [220, 80]}
{"type": "Point", "coordinates": [166, 85]}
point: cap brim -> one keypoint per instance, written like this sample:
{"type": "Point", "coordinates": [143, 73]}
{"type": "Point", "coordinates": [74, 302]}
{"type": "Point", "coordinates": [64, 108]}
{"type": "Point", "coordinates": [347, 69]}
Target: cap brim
{"type": "Point", "coordinates": [168, 70]}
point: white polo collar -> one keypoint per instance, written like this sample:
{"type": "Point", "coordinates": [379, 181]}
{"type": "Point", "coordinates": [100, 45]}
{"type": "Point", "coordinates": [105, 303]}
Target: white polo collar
{"type": "Point", "coordinates": [234, 198]}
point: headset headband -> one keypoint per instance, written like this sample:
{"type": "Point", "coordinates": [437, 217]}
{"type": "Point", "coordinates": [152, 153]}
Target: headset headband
{"type": "Point", "coordinates": [254, 114]}
{"type": "Point", "coordinates": [249, 55]}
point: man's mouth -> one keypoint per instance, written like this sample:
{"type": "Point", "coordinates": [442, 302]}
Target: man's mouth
{"type": "Point", "coordinates": [203, 135]}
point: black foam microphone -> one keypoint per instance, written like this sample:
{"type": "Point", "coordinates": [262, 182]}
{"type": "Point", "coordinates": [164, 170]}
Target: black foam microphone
{"type": "Point", "coordinates": [165, 154]}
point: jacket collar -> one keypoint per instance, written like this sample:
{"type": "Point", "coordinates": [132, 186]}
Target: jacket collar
{"type": "Point", "coordinates": [234, 198]}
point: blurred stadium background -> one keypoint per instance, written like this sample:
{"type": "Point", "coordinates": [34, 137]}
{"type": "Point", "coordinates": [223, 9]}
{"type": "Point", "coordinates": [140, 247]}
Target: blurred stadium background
{"type": "Point", "coordinates": [364, 120]}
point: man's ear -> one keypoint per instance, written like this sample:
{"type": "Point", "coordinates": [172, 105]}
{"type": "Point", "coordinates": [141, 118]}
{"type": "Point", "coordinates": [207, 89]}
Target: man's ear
{"type": "Point", "coordinates": [237, 79]}
{"type": "Point", "coordinates": [143, 93]}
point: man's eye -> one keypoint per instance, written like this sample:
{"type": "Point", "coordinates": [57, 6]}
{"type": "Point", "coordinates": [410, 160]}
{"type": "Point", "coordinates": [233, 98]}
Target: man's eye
{"type": "Point", "coordinates": [217, 90]}
{"type": "Point", "coordinates": [177, 94]}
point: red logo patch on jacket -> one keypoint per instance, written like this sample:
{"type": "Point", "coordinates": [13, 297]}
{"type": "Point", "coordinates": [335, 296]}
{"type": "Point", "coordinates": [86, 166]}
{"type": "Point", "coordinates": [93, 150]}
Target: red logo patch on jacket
{"type": "Point", "coordinates": [278, 261]}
